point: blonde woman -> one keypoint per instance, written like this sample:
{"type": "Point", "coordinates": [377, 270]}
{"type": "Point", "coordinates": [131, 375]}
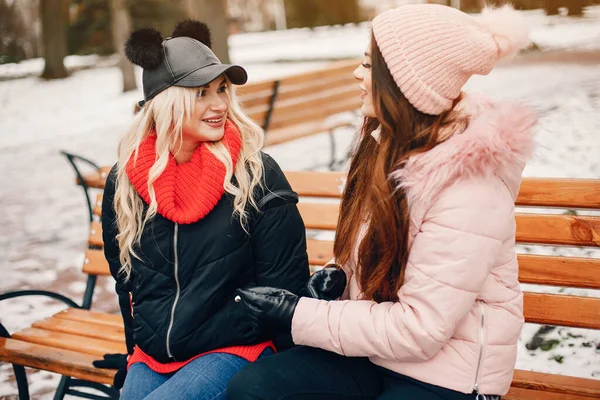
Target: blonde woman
{"type": "Point", "coordinates": [193, 211]}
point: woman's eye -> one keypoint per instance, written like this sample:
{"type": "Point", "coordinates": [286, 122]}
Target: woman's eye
{"type": "Point", "coordinates": [223, 89]}
{"type": "Point", "coordinates": [200, 93]}
{"type": "Point", "coordinates": [366, 65]}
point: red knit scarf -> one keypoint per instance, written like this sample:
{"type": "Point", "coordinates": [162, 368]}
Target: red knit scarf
{"type": "Point", "coordinates": [187, 192]}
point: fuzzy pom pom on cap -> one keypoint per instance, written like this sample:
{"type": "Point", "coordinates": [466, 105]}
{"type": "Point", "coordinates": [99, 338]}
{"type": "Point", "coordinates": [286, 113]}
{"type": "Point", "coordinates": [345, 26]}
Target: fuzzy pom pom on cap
{"type": "Point", "coordinates": [144, 48]}
{"type": "Point", "coordinates": [195, 30]}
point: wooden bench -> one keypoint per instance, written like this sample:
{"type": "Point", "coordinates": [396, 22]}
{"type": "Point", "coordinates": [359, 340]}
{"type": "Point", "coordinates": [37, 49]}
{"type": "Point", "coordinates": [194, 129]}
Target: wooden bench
{"type": "Point", "coordinates": [69, 341]}
{"type": "Point", "coordinates": [302, 105]}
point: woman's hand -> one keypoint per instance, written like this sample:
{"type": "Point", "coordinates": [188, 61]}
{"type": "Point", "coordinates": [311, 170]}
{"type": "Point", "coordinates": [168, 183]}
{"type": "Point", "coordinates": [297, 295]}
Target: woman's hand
{"type": "Point", "coordinates": [328, 283]}
{"type": "Point", "coordinates": [271, 308]}
{"type": "Point", "coordinates": [114, 361]}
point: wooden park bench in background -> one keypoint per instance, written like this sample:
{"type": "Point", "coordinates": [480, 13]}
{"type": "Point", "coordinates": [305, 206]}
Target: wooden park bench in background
{"type": "Point", "coordinates": [69, 341]}
{"type": "Point", "coordinates": [302, 105]}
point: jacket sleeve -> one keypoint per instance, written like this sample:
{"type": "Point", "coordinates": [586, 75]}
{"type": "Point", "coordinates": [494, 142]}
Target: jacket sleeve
{"type": "Point", "coordinates": [450, 258]}
{"type": "Point", "coordinates": [279, 236]}
{"type": "Point", "coordinates": [279, 240]}
{"type": "Point", "coordinates": [111, 252]}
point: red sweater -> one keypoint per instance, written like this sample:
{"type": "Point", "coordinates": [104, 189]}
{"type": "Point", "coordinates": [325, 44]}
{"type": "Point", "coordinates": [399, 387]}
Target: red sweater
{"type": "Point", "coordinates": [250, 353]}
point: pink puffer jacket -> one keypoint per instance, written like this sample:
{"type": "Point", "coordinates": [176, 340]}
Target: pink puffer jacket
{"type": "Point", "coordinates": [460, 312]}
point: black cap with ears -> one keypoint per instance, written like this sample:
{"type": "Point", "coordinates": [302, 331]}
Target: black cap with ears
{"type": "Point", "coordinates": [184, 59]}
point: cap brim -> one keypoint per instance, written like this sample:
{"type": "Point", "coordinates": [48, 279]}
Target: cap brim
{"type": "Point", "coordinates": [203, 76]}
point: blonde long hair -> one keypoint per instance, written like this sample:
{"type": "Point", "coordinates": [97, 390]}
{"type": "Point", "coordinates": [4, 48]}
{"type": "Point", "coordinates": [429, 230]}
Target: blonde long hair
{"type": "Point", "coordinates": [165, 115]}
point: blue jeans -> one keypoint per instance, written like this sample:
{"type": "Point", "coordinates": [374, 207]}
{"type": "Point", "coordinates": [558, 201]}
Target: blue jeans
{"type": "Point", "coordinates": [205, 378]}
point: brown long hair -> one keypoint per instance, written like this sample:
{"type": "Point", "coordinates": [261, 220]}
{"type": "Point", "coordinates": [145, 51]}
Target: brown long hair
{"type": "Point", "coordinates": [371, 197]}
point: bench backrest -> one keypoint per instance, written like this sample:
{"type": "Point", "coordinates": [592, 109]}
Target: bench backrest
{"type": "Point", "coordinates": [319, 205]}
{"type": "Point", "coordinates": [302, 98]}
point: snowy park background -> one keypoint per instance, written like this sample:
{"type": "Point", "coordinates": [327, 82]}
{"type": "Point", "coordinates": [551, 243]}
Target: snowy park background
{"type": "Point", "coordinates": [43, 218]}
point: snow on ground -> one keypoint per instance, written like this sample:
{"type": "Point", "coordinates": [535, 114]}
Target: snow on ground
{"type": "Point", "coordinates": [44, 221]}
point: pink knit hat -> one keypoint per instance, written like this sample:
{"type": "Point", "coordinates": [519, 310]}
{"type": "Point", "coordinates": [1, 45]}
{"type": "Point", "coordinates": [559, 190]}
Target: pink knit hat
{"type": "Point", "coordinates": [432, 50]}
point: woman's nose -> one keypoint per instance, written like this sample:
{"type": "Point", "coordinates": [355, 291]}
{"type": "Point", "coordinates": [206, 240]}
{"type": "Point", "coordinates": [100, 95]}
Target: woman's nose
{"type": "Point", "coordinates": [358, 73]}
{"type": "Point", "coordinates": [218, 105]}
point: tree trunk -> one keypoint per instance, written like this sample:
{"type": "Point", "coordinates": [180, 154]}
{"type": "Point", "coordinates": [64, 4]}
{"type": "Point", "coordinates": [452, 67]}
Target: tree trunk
{"type": "Point", "coordinates": [312, 13]}
{"type": "Point", "coordinates": [576, 8]}
{"type": "Point", "coordinates": [551, 7]}
{"type": "Point", "coordinates": [120, 24]}
{"type": "Point", "coordinates": [54, 38]}
{"type": "Point", "coordinates": [214, 14]}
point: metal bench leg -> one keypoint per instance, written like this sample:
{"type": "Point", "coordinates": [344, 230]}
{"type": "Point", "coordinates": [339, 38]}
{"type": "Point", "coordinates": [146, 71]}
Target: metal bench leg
{"type": "Point", "coordinates": [108, 391]}
{"type": "Point", "coordinates": [89, 292]}
{"type": "Point", "coordinates": [62, 388]}
{"type": "Point", "coordinates": [22, 383]}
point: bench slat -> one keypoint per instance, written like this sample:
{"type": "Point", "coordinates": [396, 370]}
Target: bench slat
{"type": "Point", "coordinates": [557, 309]}
{"type": "Point", "coordinates": [345, 68]}
{"type": "Point", "coordinates": [95, 263]}
{"type": "Point", "coordinates": [531, 228]}
{"type": "Point", "coordinates": [98, 331]}
{"type": "Point", "coordinates": [525, 394]}
{"type": "Point", "coordinates": [567, 385]}
{"type": "Point", "coordinates": [98, 204]}
{"type": "Point", "coordinates": [288, 104]}
{"type": "Point", "coordinates": [537, 192]}
{"type": "Point", "coordinates": [564, 193]}
{"type": "Point", "coordinates": [319, 215]}
{"type": "Point", "coordinates": [60, 361]}
{"type": "Point", "coordinates": [251, 88]}
{"type": "Point", "coordinates": [90, 317]}
{"type": "Point", "coordinates": [321, 184]}
{"type": "Point", "coordinates": [67, 341]}
{"type": "Point", "coordinates": [319, 251]}
{"type": "Point", "coordinates": [288, 92]}
{"type": "Point", "coordinates": [277, 136]}
{"type": "Point", "coordinates": [95, 238]}
{"type": "Point", "coordinates": [327, 108]}
{"type": "Point", "coordinates": [541, 270]}
{"type": "Point", "coordinates": [261, 100]}
{"type": "Point", "coordinates": [257, 102]}
{"type": "Point", "coordinates": [558, 229]}
{"type": "Point", "coordinates": [95, 179]}
{"type": "Point", "coordinates": [559, 271]}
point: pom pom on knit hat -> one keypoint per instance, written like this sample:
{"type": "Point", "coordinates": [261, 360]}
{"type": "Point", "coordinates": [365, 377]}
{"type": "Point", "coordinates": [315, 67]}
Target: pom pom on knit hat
{"type": "Point", "coordinates": [508, 29]}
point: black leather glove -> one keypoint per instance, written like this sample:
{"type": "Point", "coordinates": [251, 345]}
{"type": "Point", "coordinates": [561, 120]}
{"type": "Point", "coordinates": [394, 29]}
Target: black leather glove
{"type": "Point", "coordinates": [271, 308]}
{"type": "Point", "coordinates": [328, 283]}
{"type": "Point", "coordinates": [114, 361]}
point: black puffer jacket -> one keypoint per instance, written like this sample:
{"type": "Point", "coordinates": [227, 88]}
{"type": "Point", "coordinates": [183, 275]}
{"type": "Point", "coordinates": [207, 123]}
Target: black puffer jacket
{"type": "Point", "coordinates": [183, 288]}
